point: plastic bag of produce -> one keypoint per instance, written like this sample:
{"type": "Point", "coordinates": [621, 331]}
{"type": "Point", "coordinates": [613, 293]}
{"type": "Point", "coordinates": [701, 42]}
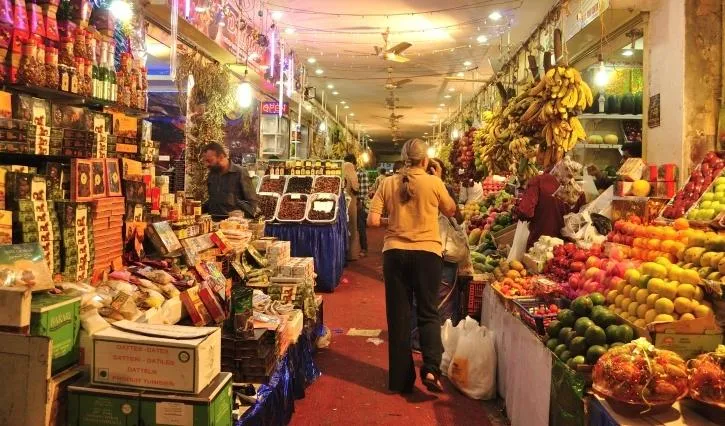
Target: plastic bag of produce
{"type": "Point", "coordinates": [473, 366]}
{"type": "Point", "coordinates": [706, 374]}
{"type": "Point", "coordinates": [449, 337]}
{"type": "Point", "coordinates": [455, 242]}
{"type": "Point", "coordinates": [639, 374]}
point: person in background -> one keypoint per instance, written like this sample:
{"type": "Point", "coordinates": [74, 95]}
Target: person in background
{"type": "Point", "coordinates": [363, 203]}
{"type": "Point", "coordinates": [230, 187]}
{"type": "Point", "coordinates": [472, 193]}
{"type": "Point", "coordinates": [449, 277]}
{"type": "Point", "coordinates": [412, 264]}
{"type": "Point", "coordinates": [541, 208]}
{"type": "Point", "coordinates": [352, 189]}
{"type": "Point", "coordinates": [381, 176]}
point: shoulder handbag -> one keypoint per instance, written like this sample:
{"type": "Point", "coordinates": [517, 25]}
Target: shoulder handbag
{"type": "Point", "coordinates": [453, 238]}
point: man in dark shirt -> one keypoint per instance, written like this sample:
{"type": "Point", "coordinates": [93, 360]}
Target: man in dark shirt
{"type": "Point", "coordinates": [230, 187]}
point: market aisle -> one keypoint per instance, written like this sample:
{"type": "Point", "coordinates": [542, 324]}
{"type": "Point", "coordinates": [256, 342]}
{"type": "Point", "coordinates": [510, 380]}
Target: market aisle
{"type": "Point", "coordinates": [352, 389]}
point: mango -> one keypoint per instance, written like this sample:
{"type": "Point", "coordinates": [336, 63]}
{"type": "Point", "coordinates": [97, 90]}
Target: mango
{"type": "Point", "coordinates": [714, 260]}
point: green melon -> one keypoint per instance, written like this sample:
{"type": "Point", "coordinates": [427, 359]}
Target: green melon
{"type": "Point", "coordinates": [627, 104]}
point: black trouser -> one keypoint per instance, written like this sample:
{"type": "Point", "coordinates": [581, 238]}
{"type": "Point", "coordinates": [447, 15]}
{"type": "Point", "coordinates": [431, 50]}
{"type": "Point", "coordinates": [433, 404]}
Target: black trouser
{"type": "Point", "coordinates": [416, 273]}
{"type": "Point", "coordinates": [362, 227]}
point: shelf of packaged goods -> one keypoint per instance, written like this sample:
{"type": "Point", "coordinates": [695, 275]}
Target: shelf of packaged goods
{"type": "Point", "coordinates": [597, 146]}
{"type": "Point", "coordinates": [610, 116]}
{"type": "Point", "coordinates": [73, 99]}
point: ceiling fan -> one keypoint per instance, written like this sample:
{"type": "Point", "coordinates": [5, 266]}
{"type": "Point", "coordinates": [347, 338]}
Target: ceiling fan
{"type": "Point", "coordinates": [392, 116]}
{"type": "Point", "coordinates": [392, 85]}
{"type": "Point", "coordinates": [393, 53]}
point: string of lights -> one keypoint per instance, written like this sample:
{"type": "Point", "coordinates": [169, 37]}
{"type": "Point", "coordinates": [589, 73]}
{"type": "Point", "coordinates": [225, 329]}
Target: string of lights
{"type": "Point", "coordinates": [475, 5]}
{"type": "Point", "coordinates": [376, 30]}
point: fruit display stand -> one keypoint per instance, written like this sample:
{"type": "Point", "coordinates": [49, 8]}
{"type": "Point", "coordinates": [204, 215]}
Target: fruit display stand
{"type": "Point", "coordinates": [523, 363]}
{"type": "Point", "coordinates": [683, 412]}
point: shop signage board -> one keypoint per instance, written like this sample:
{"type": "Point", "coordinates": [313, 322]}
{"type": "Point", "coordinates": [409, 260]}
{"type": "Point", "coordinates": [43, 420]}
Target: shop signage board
{"type": "Point", "coordinates": [217, 19]}
{"type": "Point", "coordinates": [272, 108]}
{"type": "Point", "coordinates": [586, 11]}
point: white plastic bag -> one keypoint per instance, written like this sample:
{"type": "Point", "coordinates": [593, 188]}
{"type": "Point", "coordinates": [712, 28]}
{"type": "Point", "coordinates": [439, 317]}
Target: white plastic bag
{"type": "Point", "coordinates": [521, 237]}
{"type": "Point", "coordinates": [449, 337]}
{"type": "Point", "coordinates": [473, 367]}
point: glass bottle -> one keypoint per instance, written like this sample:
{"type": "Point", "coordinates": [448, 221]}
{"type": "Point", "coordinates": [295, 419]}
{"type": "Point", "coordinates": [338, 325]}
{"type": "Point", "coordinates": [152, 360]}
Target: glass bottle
{"type": "Point", "coordinates": [111, 70]}
{"type": "Point", "coordinates": [102, 71]}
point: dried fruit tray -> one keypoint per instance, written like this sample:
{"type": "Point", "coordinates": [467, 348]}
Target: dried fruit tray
{"type": "Point", "coordinates": [293, 197]}
{"type": "Point", "coordinates": [269, 216]}
{"type": "Point", "coordinates": [333, 188]}
{"type": "Point", "coordinates": [325, 197]}
{"type": "Point", "coordinates": [272, 183]}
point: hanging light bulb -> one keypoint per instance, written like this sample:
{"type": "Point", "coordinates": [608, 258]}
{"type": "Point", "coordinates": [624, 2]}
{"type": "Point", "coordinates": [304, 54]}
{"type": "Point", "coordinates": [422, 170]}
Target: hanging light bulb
{"type": "Point", "coordinates": [601, 78]}
{"type": "Point", "coordinates": [454, 134]}
{"type": "Point", "coordinates": [121, 10]}
{"type": "Point", "coordinates": [365, 157]}
{"type": "Point", "coordinates": [322, 127]}
{"type": "Point", "coordinates": [432, 152]}
{"type": "Point", "coordinates": [245, 94]}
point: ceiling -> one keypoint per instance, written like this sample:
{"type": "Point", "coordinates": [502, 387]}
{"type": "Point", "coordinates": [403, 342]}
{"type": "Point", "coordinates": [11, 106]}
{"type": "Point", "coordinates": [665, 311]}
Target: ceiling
{"type": "Point", "coordinates": [443, 44]}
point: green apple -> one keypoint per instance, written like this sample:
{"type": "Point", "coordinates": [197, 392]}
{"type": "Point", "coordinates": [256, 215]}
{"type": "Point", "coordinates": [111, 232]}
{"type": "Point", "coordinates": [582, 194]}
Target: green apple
{"type": "Point", "coordinates": [708, 196]}
{"type": "Point", "coordinates": [693, 214]}
{"type": "Point", "coordinates": [720, 187]}
{"type": "Point", "coordinates": [720, 181]}
{"type": "Point", "coordinates": [705, 204]}
{"type": "Point", "coordinates": [715, 205]}
{"type": "Point", "coordinates": [706, 214]}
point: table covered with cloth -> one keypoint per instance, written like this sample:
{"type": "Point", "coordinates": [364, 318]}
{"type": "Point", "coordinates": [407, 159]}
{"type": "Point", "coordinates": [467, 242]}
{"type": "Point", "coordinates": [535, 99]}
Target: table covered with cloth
{"type": "Point", "coordinates": [326, 243]}
{"type": "Point", "coordinates": [523, 364]}
{"type": "Point", "coordinates": [294, 372]}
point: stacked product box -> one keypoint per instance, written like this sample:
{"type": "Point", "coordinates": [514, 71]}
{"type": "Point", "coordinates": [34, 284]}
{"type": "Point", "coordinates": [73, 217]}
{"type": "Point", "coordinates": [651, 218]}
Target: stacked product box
{"type": "Point", "coordinates": [58, 318]}
{"type": "Point", "coordinates": [278, 253]}
{"type": "Point", "coordinates": [107, 215]}
{"type": "Point", "coordinates": [251, 358]}
{"type": "Point", "coordinates": [78, 244]}
{"type": "Point", "coordinates": [295, 283]}
{"type": "Point", "coordinates": [34, 218]}
{"type": "Point", "coordinates": [146, 374]}
{"type": "Point", "coordinates": [662, 179]}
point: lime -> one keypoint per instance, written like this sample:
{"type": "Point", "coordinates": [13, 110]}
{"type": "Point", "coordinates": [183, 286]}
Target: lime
{"type": "Point", "coordinates": [552, 344]}
{"type": "Point", "coordinates": [578, 360]}
{"type": "Point", "coordinates": [595, 335]}
{"type": "Point", "coordinates": [578, 345]}
{"type": "Point", "coordinates": [582, 324]}
{"type": "Point", "coordinates": [554, 328]}
{"type": "Point", "coordinates": [594, 352]}
{"type": "Point", "coordinates": [563, 333]}
{"type": "Point", "coordinates": [582, 305]}
{"type": "Point", "coordinates": [597, 298]}
{"type": "Point", "coordinates": [566, 317]}
{"type": "Point", "coordinates": [612, 333]}
{"type": "Point", "coordinates": [560, 349]}
{"type": "Point", "coordinates": [565, 356]}
{"type": "Point", "coordinates": [625, 333]}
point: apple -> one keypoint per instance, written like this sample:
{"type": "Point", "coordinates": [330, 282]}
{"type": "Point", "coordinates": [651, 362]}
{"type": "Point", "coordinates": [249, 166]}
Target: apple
{"type": "Point", "coordinates": [719, 187]}
{"type": "Point", "coordinates": [706, 204]}
{"type": "Point", "coordinates": [706, 214]}
{"type": "Point", "coordinates": [708, 196]}
{"type": "Point", "coordinates": [693, 214]}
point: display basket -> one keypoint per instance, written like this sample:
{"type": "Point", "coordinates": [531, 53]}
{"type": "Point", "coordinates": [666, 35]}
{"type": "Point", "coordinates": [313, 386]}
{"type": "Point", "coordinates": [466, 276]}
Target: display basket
{"type": "Point", "coordinates": [321, 178]}
{"type": "Point", "coordinates": [267, 178]}
{"type": "Point", "coordinates": [505, 237]}
{"type": "Point", "coordinates": [294, 178]}
{"type": "Point", "coordinates": [475, 296]}
{"type": "Point", "coordinates": [319, 197]}
{"type": "Point", "coordinates": [292, 196]}
{"type": "Point", "coordinates": [276, 207]}
{"type": "Point", "coordinates": [508, 301]}
{"type": "Point", "coordinates": [538, 322]}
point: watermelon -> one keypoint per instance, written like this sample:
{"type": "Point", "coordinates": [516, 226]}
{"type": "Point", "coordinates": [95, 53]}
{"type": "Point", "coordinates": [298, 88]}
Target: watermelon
{"type": "Point", "coordinates": [627, 102]}
{"type": "Point", "coordinates": [578, 346]}
{"type": "Point", "coordinates": [638, 103]}
{"type": "Point", "coordinates": [613, 104]}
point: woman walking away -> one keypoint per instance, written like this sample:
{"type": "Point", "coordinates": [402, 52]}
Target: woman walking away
{"type": "Point", "coordinates": [412, 264]}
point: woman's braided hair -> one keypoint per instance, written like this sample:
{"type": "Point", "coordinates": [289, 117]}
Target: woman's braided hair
{"type": "Point", "coordinates": [413, 154]}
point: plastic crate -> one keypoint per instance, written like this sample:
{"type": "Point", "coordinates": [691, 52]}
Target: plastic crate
{"type": "Point", "coordinates": [538, 322]}
{"type": "Point", "coordinates": [475, 297]}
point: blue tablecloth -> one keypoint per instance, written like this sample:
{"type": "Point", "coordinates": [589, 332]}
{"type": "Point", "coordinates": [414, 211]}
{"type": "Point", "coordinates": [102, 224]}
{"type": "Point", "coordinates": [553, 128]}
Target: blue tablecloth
{"type": "Point", "coordinates": [294, 372]}
{"type": "Point", "coordinates": [326, 243]}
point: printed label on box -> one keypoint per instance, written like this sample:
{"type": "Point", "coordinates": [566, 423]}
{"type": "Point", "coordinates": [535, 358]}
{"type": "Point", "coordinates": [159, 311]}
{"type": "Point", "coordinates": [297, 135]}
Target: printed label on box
{"type": "Point", "coordinates": [174, 413]}
{"type": "Point", "coordinates": [145, 366]}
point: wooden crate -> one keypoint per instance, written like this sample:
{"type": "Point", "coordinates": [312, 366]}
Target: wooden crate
{"type": "Point", "coordinates": [30, 395]}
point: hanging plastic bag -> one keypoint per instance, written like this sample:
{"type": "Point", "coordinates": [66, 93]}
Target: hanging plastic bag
{"type": "Point", "coordinates": [473, 366]}
{"type": "Point", "coordinates": [521, 237]}
{"type": "Point", "coordinates": [449, 337]}
{"type": "Point", "coordinates": [455, 243]}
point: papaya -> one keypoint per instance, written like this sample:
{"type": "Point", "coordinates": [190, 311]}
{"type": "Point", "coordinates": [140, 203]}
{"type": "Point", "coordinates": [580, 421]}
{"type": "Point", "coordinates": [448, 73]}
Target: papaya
{"type": "Point", "coordinates": [474, 236]}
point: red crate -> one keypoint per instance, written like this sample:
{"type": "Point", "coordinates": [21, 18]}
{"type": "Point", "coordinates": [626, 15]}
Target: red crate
{"type": "Point", "coordinates": [475, 297]}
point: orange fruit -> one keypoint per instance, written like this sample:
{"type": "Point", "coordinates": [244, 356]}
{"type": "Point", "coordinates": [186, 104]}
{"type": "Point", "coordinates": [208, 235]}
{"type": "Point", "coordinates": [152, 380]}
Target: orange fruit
{"type": "Point", "coordinates": [681, 224]}
{"type": "Point", "coordinates": [666, 245]}
{"type": "Point", "coordinates": [640, 231]}
{"type": "Point", "coordinates": [636, 252]}
{"type": "Point", "coordinates": [652, 231]}
{"type": "Point", "coordinates": [653, 244]}
{"type": "Point", "coordinates": [668, 233]}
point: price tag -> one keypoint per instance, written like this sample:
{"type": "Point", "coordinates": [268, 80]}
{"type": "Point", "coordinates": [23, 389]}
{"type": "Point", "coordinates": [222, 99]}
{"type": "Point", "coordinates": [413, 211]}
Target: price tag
{"type": "Point", "coordinates": [252, 173]}
{"type": "Point", "coordinates": [461, 171]}
{"type": "Point", "coordinates": [323, 206]}
{"type": "Point", "coordinates": [275, 177]}
{"type": "Point", "coordinates": [296, 196]}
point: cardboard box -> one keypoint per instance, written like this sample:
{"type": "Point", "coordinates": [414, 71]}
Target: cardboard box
{"type": "Point", "coordinates": [212, 407]}
{"type": "Point", "coordinates": [92, 406]}
{"type": "Point", "coordinates": [165, 358]}
{"type": "Point", "coordinates": [687, 338]}
{"type": "Point", "coordinates": [15, 309]}
{"type": "Point", "coordinates": [58, 318]}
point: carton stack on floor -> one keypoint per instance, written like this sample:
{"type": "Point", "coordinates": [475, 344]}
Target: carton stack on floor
{"type": "Point", "coordinates": [107, 227]}
{"type": "Point", "coordinates": [251, 358]}
{"type": "Point", "coordinates": [41, 355]}
{"type": "Point", "coordinates": [153, 375]}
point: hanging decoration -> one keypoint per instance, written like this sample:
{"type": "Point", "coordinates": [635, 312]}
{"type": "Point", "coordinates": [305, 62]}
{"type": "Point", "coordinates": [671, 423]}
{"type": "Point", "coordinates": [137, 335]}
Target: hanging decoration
{"type": "Point", "coordinates": [208, 101]}
{"type": "Point", "coordinates": [174, 37]}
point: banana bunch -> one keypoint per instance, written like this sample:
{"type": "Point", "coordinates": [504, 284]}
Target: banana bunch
{"type": "Point", "coordinates": [564, 133]}
{"type": "Point", "coordinates": [520, 146]}
{"type": "Point", "coordinates": [527, 169]}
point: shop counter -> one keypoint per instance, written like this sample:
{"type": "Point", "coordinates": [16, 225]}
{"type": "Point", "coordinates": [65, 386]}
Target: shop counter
{"type": "Point", "coordinates": [327, 244]}
{"type": "Point", "coordinates": [524, 364]}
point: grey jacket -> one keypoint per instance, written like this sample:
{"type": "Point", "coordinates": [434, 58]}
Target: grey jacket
{"type": "Point", "coordinates": [231, 191]}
